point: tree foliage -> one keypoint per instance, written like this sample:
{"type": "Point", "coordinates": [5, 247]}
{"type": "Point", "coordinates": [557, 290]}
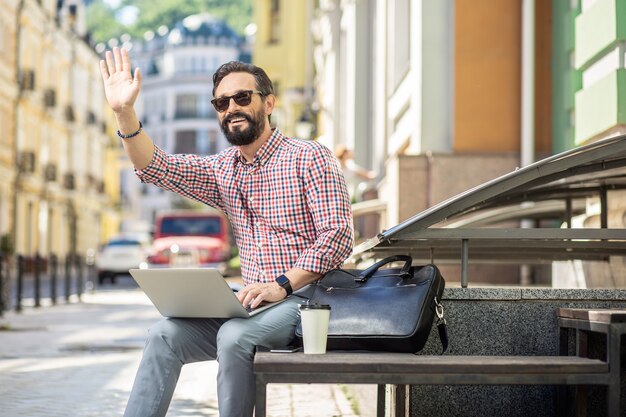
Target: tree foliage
{"type": "Point", "coordinates": [101, 22]}
{"type": "Point", "coordinates": [103, 25]}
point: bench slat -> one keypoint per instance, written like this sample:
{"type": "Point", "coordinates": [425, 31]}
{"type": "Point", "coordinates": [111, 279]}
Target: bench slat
{"type": "Point", "coordinates": [600, 316]}
{"type": "Point", "coordinates": [398, 363]}
{"type": "Point", "coordinates": [434, 379]}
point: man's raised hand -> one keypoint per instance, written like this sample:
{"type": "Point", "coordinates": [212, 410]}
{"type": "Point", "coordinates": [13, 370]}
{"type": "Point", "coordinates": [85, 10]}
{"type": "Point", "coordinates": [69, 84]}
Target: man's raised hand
{"type": "Point", "coordinates": [120, 86]}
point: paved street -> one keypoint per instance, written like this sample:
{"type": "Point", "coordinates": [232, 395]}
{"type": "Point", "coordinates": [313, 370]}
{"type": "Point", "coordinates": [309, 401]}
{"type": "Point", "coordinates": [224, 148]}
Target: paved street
{"type": "Point", "coordinates": [79, 359]}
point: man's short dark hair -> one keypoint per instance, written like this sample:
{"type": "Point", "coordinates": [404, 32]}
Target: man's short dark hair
{"type": "Point", "coordinates": [262, 81]}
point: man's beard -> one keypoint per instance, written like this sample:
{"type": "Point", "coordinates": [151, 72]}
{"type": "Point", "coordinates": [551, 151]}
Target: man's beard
{"type": "Point", "coordinates": [239, 136]}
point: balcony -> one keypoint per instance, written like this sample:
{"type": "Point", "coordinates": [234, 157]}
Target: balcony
{"type": "Point", "coordinates": [50, 172]}
{"type": "Point", "coordinates": [26, 80]}
{"type": "Point", "coordinates": [69, 113]}
{"type": "Point", "coordinates": [26, 162]}
{"type": "Point", "coordinates": [91, 118]}
{"type": "Point", "coordinates": [69, 182]}
{"type": "Point", "coordinates": [49, 98]}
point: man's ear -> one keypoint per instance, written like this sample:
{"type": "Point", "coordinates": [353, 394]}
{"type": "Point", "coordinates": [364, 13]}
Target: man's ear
{"type": "Point", "coordinates": [270, 101]}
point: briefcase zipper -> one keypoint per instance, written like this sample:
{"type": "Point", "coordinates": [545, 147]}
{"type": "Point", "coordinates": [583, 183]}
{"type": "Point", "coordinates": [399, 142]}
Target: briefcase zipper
{"type": "Point", "coordinates": [329, 289]}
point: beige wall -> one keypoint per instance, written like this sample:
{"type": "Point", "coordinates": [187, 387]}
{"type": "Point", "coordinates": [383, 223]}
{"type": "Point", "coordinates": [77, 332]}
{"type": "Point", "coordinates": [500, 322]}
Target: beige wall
{"type": "Point", "coordinates": [487, 72]}
{"type": "Point", "coordinates": [543, 78]}
{"type": "Point", "coordinates": [487, 75]}
{"type": "Point", "coordinates": [428, 180]}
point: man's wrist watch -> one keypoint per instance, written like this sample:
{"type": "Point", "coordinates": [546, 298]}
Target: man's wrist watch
{"type": "Point", "coordinates": [283, 281]}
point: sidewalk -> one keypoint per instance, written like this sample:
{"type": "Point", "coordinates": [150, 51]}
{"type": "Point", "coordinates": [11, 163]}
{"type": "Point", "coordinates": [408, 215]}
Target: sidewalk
{"type": "Point", "coordinates": [80, 359]}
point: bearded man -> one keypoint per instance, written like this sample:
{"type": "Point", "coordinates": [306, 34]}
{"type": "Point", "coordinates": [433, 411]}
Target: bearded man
{"type": "Point", "coordinates": [288, 204]}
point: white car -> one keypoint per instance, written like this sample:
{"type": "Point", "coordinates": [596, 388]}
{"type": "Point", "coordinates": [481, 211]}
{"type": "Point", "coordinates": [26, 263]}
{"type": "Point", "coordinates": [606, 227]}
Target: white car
{"type": "Point", "coordinates": [118, 256]}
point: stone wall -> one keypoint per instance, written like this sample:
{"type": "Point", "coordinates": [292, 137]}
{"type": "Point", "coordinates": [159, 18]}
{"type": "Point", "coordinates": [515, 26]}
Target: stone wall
{"type": "Point", "coordinates": [505, 321]}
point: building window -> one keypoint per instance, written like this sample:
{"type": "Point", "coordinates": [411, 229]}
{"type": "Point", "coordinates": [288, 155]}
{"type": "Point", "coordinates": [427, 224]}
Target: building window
{"type": "Point", "coordinates": [213, 142]}
{"type": "Point", "coordinates": [275, 28]}
{"type": "Point", "coordinates": [203, 142]}
{"type": "Point", "coordinates": [191, 106]}
{"type": "Point", "coordinates": [206, 142]}
{"type": "Point", "coordinates": [206, 108]}
{"type": "Point", "coordinates": [185, 142]}
{"type": "Point", "coordinates": [186, 106]}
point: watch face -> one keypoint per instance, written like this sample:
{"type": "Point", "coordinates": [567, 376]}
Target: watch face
{"type": "Point", "coordinates": [283, 281]}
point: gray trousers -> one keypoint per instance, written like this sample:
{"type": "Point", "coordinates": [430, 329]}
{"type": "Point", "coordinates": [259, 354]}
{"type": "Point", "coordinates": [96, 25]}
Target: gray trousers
{"type": "Point", "coordinates": [174, 342]}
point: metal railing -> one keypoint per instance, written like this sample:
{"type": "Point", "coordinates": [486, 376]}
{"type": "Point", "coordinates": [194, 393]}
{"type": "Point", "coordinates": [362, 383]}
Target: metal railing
{"type": "Point", "coordinates": [28, 280]}
{"type": "Point", "coordinates": [504, 246]}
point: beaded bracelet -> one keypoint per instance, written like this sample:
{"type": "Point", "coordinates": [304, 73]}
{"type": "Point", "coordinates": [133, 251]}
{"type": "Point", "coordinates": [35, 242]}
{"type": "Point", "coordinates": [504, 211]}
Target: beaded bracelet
{"type": "Point", "coordinates": [130, 135]}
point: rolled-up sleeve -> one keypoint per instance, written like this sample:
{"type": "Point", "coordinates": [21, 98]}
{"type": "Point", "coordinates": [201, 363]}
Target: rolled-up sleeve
{"type": "Point", "coordinates": [186, 174]}
{"type": "Point", "coordinates": [329, 204]}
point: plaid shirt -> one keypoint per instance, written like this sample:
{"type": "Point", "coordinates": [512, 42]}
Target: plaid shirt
{"type": "Point", "coordinates": [288, 208]}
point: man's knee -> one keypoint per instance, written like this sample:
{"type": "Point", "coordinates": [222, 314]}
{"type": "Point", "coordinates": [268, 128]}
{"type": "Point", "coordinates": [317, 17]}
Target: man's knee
{"type": "Point", "coordinates": [232, 338]}
{"type": "Point", "coordinates": [165, 333]}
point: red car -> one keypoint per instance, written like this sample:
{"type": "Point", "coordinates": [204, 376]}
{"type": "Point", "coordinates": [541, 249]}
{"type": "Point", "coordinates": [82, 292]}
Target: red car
{"type": "Point", "coordinates": [191, 238]}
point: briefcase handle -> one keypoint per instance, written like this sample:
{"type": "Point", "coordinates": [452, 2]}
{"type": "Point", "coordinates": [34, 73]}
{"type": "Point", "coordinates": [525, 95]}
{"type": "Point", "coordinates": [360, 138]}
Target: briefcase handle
{"type": "Point", "coordinates": [405, 272]}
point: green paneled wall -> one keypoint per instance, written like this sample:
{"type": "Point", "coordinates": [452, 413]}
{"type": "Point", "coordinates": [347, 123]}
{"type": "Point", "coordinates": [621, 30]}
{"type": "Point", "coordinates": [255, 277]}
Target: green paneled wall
{"type": "Point", "coordinates": [601, 106]}
{"type": "Point", "coordinates": [599, 29]}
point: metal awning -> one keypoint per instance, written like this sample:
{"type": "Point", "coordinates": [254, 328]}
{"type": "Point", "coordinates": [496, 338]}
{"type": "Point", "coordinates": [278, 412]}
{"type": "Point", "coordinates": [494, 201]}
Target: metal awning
{"type": "Point", "coordinates": [550, 191]}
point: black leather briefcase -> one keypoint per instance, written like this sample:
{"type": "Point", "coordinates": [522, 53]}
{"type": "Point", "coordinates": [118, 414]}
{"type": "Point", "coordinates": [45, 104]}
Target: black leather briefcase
{"type": "Point", "coordinates": [382, 309]}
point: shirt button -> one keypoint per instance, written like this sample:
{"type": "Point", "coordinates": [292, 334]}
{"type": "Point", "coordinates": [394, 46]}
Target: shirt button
{"type": "Point", "coordinates": [251, 199]}
{"type": "Point", "coordinates": [260, 245]}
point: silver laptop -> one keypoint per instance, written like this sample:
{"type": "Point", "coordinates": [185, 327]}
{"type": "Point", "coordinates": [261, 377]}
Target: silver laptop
{"type": "Point", "coordinates": [192, 292]}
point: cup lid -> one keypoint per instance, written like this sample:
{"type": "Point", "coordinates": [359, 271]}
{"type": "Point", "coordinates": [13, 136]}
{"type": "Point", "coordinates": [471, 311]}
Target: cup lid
{"type": "Point", "coordinates": [314, 307]}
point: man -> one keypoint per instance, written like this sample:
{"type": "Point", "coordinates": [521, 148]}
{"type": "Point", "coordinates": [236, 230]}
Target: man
{"type": "Point", "coordinates": [289, 208]}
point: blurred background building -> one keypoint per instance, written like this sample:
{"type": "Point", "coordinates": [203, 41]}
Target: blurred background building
{"type": "Point", "coordinates": [433, 96]}
{"type": "Point", "coordinates": [59, 181]}
{"type": "Point", "coordinates": [443, 96]}
{"type": "Point", "coordinates": [449, 94]}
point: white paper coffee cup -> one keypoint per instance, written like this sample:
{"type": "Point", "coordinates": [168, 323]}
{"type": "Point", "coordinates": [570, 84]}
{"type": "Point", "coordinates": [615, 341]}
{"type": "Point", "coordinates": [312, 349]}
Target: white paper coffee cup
{"type": "Point", "coordinates": [315, 319]}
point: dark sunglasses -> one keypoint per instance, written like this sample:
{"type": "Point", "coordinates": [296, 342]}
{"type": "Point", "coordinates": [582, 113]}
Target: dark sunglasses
{"type": "Point", "coordinates": [242, 98]}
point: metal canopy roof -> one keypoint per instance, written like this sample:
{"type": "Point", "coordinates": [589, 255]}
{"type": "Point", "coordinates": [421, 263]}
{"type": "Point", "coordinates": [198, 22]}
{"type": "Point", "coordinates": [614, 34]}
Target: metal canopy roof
{"type": "Point", "coordinates": [555, 188]}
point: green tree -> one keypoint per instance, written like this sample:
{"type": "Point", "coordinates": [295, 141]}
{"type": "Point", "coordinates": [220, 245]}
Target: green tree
{"type": "Point", "coordinates": [101, 22]}
{"type": "Point", "coordinates": [153, 14]}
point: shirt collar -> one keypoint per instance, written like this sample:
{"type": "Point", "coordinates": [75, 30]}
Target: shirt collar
{"type": "Point", "coordinates": [265, 152]}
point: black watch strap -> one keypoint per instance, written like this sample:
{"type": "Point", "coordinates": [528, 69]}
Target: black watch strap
{"type": "Point", "coordinates": [284, 282]}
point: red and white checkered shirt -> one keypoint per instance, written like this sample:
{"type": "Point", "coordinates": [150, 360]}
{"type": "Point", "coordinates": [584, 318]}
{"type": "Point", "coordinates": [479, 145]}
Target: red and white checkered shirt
{"type": "Point", "coordinates": [288, 208]}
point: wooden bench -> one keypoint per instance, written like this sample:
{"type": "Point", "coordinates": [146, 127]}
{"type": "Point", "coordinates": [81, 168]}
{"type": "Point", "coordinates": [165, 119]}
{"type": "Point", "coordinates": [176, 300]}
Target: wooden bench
{"type": "Point", "coordinates": [408, 369]}
{"type": "Point", "coordinates": [610, 322]}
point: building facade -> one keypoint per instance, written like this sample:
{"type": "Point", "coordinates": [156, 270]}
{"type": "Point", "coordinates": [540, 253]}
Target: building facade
{"type": "Point", "coordinates": [442, 96]}
{"type": "Point", "coordinates": [8, 99]}
{"type": "Point", "coordinates": [58, 129]}
{"type": "Point", "coordinates": [401, 78]}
